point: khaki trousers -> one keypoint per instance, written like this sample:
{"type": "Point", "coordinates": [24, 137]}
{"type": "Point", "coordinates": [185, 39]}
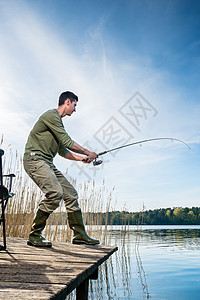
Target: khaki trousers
{"type": "Point", "coordinates": [53, 184]}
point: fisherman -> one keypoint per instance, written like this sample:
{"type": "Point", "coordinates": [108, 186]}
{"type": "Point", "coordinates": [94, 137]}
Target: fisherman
{"type": "Point", "coordinates": [47, 138]}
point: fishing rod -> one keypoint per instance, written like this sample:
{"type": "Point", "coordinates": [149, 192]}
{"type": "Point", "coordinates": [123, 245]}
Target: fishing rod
{"type": "Point", "coordinates": [98, 162]}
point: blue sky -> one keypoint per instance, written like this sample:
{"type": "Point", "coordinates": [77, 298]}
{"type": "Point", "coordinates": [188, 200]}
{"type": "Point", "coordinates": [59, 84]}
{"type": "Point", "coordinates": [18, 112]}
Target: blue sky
{"type": "Point", "coordinates": [110, 53]}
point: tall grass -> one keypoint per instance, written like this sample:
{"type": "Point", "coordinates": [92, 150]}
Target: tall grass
{"type": "Point", "coordinates": [21, 209]}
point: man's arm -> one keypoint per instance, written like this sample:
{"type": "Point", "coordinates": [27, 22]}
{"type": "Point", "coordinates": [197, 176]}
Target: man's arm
{"type": "Point", "coordinates": [53, 121]}
{"type": "Point", "coordinates": [73, 156]}
{"type": "Point", "coordinates": [90, 156]}
{"type": "Point", "coordinates": [79, 149]}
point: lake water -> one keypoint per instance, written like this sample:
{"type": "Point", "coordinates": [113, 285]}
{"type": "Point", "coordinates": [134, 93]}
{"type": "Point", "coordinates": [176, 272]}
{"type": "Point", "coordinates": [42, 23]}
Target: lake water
{"type": "Point", "coordinates": [153, 262]}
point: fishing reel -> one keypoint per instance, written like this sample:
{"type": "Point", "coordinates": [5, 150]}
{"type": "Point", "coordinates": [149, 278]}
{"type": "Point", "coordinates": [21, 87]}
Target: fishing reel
{"type": "Point", "coordinates": [97, 162]}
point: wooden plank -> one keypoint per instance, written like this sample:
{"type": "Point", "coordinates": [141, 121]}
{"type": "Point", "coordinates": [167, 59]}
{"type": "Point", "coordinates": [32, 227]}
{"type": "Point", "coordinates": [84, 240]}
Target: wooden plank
{"type": "Point", "coordinates": [65, 264]}
{"type": "Point", "coordinates": [51, 258]}
{"type": "Point", "coordinates": [28, 290]}
{"type": "Point", "coordinates": [47, 273]}
{"type": "Point", "coordinates": [28, 286]}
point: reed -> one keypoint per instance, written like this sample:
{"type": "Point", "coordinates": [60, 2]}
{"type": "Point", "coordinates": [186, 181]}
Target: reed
{"type": "Point", "coordinates": [21, 209]}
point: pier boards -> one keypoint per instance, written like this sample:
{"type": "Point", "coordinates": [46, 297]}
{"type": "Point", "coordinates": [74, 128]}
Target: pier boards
{"type": "Point", "coordinates": [35, 273]}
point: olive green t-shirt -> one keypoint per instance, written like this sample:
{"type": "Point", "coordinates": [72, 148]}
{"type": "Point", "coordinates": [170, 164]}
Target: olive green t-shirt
{"type": "Point", "coordinates": [48, 137]}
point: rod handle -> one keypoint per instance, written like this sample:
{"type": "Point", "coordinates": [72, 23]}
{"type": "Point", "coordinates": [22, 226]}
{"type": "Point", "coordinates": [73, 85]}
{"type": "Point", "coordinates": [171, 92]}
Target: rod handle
{"type": "Point", "coordinates": [101, 153]}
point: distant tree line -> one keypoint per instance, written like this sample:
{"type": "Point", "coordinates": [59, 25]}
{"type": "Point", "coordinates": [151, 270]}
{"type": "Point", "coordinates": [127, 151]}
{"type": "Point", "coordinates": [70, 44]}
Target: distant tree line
{"type": "Point", "coordinates": [162, 216]}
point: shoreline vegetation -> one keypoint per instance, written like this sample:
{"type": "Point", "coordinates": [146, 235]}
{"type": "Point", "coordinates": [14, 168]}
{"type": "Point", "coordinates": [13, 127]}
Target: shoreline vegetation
{"type": "Point", "coordinates": [161, 216]}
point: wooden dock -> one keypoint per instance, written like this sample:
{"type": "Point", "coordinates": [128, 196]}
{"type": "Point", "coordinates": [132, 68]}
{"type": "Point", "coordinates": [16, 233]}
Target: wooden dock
{"type": "Point", "coordinates": [51, 273]}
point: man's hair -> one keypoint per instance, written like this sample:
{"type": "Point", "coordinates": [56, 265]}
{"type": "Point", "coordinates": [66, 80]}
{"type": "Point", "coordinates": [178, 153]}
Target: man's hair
{"type": "Point", "coordinates": [66, 95]}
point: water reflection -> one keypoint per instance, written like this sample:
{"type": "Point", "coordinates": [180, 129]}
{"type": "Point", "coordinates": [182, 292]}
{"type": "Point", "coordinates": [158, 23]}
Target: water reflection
{"type": "Point", "coordinates": [141, 271]}
{"type": "Point", "coordinates": [157, 262]}
{"type": "Point", "coordinates": [114, 275]}
{"type": "Point", "coordinates": [174, 237]}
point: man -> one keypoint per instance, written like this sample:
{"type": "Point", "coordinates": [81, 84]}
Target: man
{"type": "Point", "coordinates": [47, 138]}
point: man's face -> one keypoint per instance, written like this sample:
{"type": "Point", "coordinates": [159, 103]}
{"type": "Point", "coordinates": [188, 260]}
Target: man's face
{"type": "Point", "coordinates": [70, 107]}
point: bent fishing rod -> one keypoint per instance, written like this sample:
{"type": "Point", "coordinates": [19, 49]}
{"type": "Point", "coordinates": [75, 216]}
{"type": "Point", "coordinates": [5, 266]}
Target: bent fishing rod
{"type": "Point", "coordinates": [98, 162]}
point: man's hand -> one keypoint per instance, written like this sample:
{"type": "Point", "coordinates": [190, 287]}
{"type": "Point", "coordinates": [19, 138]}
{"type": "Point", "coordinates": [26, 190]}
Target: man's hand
{"type": "Point", "coordinates": [86, 161]}
{"type": "Point", "coordinates": [90, 157]}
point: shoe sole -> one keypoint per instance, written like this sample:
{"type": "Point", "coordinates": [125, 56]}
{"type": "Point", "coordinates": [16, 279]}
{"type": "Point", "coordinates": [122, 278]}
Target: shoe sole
{"type": "Point", "coordinates": [39, 246]}
{"type": "Point", "coordinates": [84, 243]}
